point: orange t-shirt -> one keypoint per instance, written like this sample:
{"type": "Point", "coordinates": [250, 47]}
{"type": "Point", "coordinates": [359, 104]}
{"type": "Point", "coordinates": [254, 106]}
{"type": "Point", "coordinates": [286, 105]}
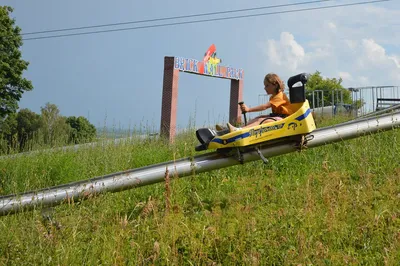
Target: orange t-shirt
{"type": "Point", "coordinates": [280, 104]}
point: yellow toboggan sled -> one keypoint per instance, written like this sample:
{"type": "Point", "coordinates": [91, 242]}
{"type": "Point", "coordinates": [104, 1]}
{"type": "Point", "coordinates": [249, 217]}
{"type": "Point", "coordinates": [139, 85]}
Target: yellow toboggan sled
{"type": "Point", "coordinates": [300, 123]}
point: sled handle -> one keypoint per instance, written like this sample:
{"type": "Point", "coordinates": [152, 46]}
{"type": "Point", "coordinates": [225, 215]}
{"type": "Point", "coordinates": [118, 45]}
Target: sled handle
{"type": "Point", "coordinates": [244, 114]}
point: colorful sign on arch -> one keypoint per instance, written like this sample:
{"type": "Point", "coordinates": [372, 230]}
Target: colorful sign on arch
{"type": "Point", "coordinates": [210, 66]}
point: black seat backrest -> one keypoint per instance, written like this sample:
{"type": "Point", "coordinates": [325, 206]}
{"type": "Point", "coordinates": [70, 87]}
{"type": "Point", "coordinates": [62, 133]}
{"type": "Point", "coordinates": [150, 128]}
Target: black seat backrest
{"type": "Point", "coordinates": [297, 94]}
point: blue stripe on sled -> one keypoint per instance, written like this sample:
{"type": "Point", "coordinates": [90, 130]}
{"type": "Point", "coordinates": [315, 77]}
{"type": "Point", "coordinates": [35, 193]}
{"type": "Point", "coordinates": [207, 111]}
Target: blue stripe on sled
{"type": "Point", "coordinates": [303, 116]}
{"type": "Point", "coordinates": [230, 140]}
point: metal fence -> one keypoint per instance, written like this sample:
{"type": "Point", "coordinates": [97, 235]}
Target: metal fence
{"type": "Point", "coordinates": [372, 99]}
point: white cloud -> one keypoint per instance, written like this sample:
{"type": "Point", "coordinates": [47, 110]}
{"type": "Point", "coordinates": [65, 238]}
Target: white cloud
{"type": "Point", "coordinates": [345, 75]}
{"type": "Point", "coordinates": [332, 26]}
{"type": "Point", "coordinates": [285, 52]}
{"type": "Point", "coordinates": [374, 52]}
{"type": "Point", "coordinates": [338, 48]}
{"type": "Point", "coordinates": [375, 57]}
{"type": "Point", "coordinates": [272, 52]}
{"type": "Point", "coordinates": [363, 81]}
{"type": "Point", "coordinates": [352, 44]}
{"type": "Point", "coordinates": [396, 60]}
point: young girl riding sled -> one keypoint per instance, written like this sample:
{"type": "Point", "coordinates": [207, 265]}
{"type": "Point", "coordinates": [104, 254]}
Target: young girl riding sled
{"type": "Point", "coordinates": [278, 102]}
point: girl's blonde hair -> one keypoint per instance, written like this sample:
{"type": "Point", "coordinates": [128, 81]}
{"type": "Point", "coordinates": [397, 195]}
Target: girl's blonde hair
{"type": "Point", "coordinates": [275, 80]}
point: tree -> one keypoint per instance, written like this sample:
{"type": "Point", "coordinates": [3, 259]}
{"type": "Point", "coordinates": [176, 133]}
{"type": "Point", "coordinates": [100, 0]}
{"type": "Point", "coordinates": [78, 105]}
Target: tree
{"type": "Point", "coordinates": [54, 126]}
{"type": "Point", "coordinates": [9, 133]}
{"type": "Point", "coordinates": [12, 84]}
{"type": "Point", "coordinates": [82, 129]}
{"type": "Point", "coordinates": [28, 123]}
{"type": "Point", "coordinates": [332, 88]}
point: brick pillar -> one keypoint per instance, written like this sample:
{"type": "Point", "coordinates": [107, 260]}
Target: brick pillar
{"type": "Point", "coordinates": [236, 97]}
{"type": "Point", "coordinates": [169, 99]}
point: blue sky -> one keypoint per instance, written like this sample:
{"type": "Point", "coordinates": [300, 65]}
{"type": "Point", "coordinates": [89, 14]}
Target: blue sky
{"type": "Point", "coordinates": [116, 78]}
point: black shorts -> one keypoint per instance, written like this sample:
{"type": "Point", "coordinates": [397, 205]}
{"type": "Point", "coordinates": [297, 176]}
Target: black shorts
{"type": "Point", "coordinates": [279, 115]}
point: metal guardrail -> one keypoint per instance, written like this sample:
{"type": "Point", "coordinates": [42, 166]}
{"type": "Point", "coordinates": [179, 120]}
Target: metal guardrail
{"type": "Point", "coordinates": [383, 103]}
{"type": "Point", "coordinates": [184, 167]}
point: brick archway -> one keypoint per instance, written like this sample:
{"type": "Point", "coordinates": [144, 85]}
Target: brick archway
{"type": "Point", "coordinates": [170, 91]}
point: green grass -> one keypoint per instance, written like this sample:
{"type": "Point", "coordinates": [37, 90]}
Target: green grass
{"type": "Point", "coordinates": [332, 205]}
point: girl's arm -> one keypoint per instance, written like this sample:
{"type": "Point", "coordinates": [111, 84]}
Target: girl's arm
{"type": "Point", "coordinates": [261, 107]}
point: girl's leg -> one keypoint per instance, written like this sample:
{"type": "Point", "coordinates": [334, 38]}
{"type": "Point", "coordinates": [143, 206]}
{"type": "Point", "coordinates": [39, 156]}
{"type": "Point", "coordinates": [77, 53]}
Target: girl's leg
{"type": "Point", "coordinates": [263, 119]}
{"type": "Point", "coordinates": [256, 121]}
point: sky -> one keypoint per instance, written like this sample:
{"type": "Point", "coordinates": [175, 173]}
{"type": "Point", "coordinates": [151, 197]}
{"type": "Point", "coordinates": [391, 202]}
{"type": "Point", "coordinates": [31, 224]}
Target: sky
{"type": "Point", "coordinates": [115, 79]}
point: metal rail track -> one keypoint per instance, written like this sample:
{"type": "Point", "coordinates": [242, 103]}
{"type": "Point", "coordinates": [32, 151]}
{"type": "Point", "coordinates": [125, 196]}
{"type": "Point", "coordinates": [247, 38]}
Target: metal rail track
{"type": "Point", "coordinates": [184, 167]}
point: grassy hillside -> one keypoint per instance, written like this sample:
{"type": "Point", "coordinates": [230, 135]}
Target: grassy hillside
{"type": "Point", "coordinates": [333, 205]}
